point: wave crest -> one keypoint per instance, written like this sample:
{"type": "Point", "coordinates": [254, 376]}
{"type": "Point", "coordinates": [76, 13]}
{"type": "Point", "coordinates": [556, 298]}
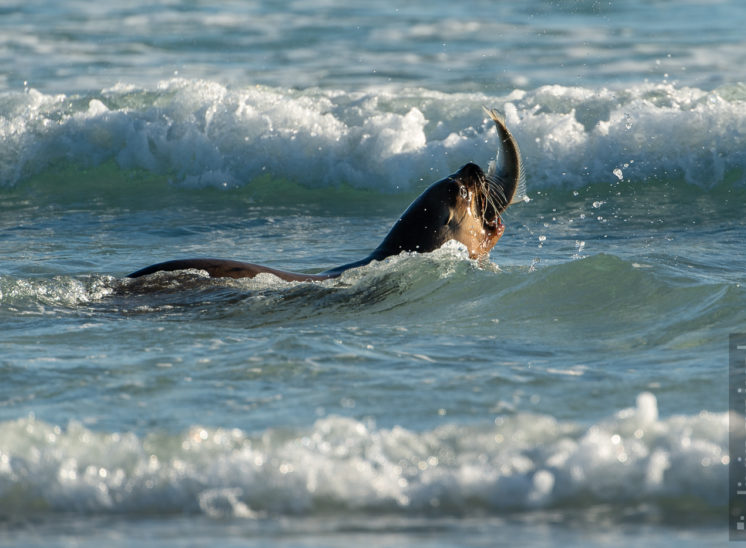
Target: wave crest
{"type": "Point", "coordinates": [201, 133]}
{"type": "Point", "coordinates": [519, 463]}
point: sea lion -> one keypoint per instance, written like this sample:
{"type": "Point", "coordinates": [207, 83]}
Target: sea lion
{"type": "Point", "coordinates": [465, 206]}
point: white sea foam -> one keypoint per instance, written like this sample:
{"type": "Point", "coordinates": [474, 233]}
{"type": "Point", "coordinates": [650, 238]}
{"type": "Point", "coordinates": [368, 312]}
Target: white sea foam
{"type": "Point", "coordinates": [203, 133]}
{"type": "Point", "coordinates": [56, 291]}
{"type": "Point", "coordinates": [521, 462]}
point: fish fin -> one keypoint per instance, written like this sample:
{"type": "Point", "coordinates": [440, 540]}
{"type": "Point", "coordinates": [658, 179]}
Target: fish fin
{"type": "Point", "coordinates": [520, 194]}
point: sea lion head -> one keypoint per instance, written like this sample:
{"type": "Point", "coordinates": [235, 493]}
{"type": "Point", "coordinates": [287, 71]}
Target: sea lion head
{"type": "Point", "coordinates": [465, 207]}
{"type": "Point", "coordinates": [474, 218]}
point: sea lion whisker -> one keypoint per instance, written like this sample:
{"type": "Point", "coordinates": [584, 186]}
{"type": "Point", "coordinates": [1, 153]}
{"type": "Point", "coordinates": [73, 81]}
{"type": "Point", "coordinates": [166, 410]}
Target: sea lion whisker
{"type": "Point", "coordinates": [488, 204]}
{"type": "Point", "coordinates": [496, 193]}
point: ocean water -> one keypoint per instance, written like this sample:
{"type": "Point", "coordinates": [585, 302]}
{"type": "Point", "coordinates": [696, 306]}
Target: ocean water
{"type": "Point", "coordinates": [573, 391]}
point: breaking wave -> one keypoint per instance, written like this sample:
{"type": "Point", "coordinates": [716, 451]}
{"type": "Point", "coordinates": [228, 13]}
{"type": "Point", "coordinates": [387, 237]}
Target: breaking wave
{"type": "Point", "coordinates": [199, 133]}
{"type": "Point", "coordinates": [517, 463]}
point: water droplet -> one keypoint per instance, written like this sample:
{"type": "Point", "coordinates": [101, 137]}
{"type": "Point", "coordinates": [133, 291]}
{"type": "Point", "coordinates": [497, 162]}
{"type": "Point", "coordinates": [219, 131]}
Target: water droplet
{"type": "Point", "coordinates": [618, 173]}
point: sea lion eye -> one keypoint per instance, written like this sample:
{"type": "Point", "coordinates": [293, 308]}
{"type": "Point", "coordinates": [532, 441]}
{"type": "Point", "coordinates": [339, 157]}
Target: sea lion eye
{"type": "Point", "coordinates": [464, 193]}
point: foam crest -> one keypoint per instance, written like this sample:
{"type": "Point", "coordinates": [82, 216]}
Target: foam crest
{"type": "Point", "coordinates": [648, 132]}
{"type": "Point", "coordinates": [30, 293]}
{"type": "Point", "coordinates": [201, 133]}
{"type": "Point", "coordinates": [521, 462]}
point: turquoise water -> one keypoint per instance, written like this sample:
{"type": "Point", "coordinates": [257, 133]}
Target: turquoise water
{"type": "Point", "coordinates": [571, 392]}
